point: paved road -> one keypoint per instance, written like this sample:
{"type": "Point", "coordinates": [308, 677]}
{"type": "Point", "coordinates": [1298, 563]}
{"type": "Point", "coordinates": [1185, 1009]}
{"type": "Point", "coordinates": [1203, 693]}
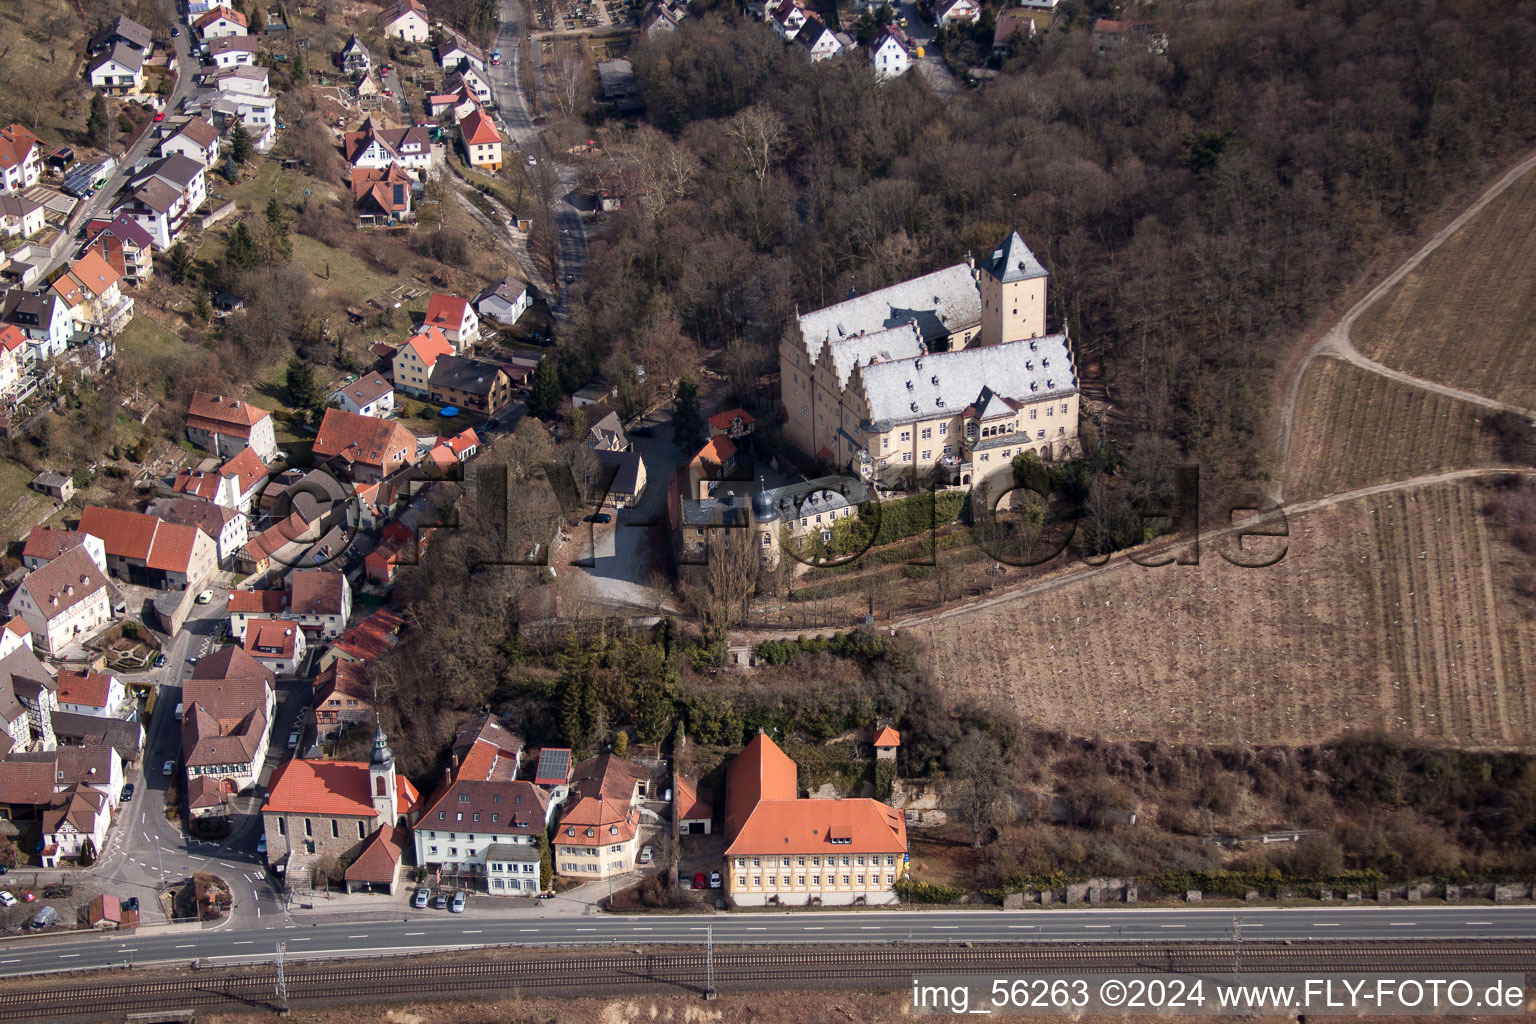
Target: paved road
{"type": "Point", "coordinates": [428, 930]}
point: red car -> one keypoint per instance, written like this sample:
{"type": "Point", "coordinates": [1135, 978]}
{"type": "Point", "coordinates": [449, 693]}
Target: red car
{"type": "Point", "coordinates": [389, 92]}
{"type": "Point", "coordinates": [27, 896]}
{"type": "Point", "coordinates": [160, 115]}
{"type": "Point", "coordinates": [384, 71]}
{"type": "Point", "coordinates": [698, 880]}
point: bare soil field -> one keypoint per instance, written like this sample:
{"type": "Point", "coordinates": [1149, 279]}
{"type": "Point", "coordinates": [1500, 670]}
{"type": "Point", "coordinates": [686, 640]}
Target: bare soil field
{"type": "Point", "coordinates": [1387, 613]}
{"type": "Point", "coordinates": [1466, 317]}
{"type": "Point", "coordinates": [1355, 428]}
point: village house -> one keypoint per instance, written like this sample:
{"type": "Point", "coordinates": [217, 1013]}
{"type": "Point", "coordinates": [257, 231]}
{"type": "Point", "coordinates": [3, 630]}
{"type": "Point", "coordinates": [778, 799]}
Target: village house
{"type": "Point", "coordinates": [127, 248]}
{"type": "Point", "coordinates": [607, 434]}
{"type": "Point", "coordinates": [481, 827]}
{"type": "Point", "coordinates": [457, 102]}
{"type": "Point", "coordinates": [505, 301]}
{"type": "Point", "coordinates": [888, 54]}
{"type": "Point", "coordinates": [367, 639]}
{"type": "Point", "coordinates": [448, 452]}
{"type": "Point", "coordinates": [469, 384]}
{"type": "Point", "coordinates": [369, 448]}
{"type": "Point", "coordinates": [398, 546]}
{"type": "Point", "coordinates": [75, 822]}
{"type": "Point", "coordinates": [355, 59]}
{"type": "Point", "coordinates": [44, 319]}
{"type": "Point", "coordinates": [735, 424]}
{"type": "Point", "coordinates": [786, 16]}
{"type": "Point", "coordinates": [227, 528]}
{"type": "Point", "coordinates": [63, 602]}
{"type": "Point", "coordinates": [12, 340]}
{"type": "Point", "coordinates": [382, 196]}
{"type": "Point", "coordinates": [599, 826]}
{"type": "Point", "coordinates": [376, 147]}
{"type": "Point", "coordinates": [118, 71]}
{"type": "Point", "coordinates": [247, 606]}
{"type": "Point", "coordinates": [413, 363]}
{"type": "Point", "coordinates": [621, 478]}
{"type": "Point", "coordinates": [28, 694]}
{"type": "Point", "coordinates": [1011, 25]}
{"type": "Point", "coordinates": [227, 426]}
{"type": "Point", "coordinates": [94, 766]}
{"type": "Point", "coordinates": [45, 543]}
{"type": "Point", "coordinates": [343, 698]}
{"type": "Point", "coordinates": [948, 13]}
{"type": "Point", "coordinates": [277, 645]}
{"type": "Point", "coordinates": [233, 485]}
{"type": "Point", "coordinates": [453, 50]}
{"type": "Point", "coordinates": [456, 318]}
{"type": "Point", "coordinates": [20, 217]}
{"type": "Point", "coordinates": [813, 507]}
{"type": "Point", "coordinates": [220, 23]}
{"type": "Point", "coordinates": [369, 395]}
{"type": "Point", "coordinates": [91, 693]}
{"type": "Point", "coordinates": [197, 140]}
{"type": "Point", "coordinates": [125, 737]}
{"type": "Point", "coordinates": [91, 290]}
{"type": "Point", "coordinates": [320, 601]}
{"type": "Point", "coordinates": [182, 173]}
{"type": "Point", "coordinates": [320, 811]}
{"type": "Point", "coordinates": [817, 41]}
{"type": "Point", "coordinates": [232, 52]}
{"type": "Point", "coordinates": [21, 158]}
{"type": "Point", "coordinates": [474, 83]}
{"type": "Point", "coordinates": [227, 707]}
{"type": "Point", "coordinates": [481, 141]}
{"type": "Point", "coordinates": [124, 30]}
{"type": "Point", "coordinates": [784, 850]}
{"type": "Point", "coordinates": [150, 552]}
{"type": "Point", "coordinates": [406, 21]}
{"type": "Point", "coordinates": [943, 377]}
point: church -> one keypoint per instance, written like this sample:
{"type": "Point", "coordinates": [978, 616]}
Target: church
{"type": "Point", "coordinates": [355, 813]}
{"type": "Point", "coordinates": [937, 381]}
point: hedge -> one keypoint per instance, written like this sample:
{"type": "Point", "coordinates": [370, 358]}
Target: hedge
{"type": "Point", "coordinates": [926, 892]}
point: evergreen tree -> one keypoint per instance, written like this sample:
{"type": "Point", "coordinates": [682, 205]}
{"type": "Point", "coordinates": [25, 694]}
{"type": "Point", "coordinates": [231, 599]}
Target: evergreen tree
{"type": "Point", "coordinates": [240, 145]}
{"type": "Point", "coordinates": [97, 127]}
{"type": "Point", "coordinates": [241, 252]}
{"type": "Point", "coordinates": [545, 394]}
{"type": "Point", "coordinates": [179, 262]}
{"type": "Point", "coordinates": [687, 424]}
{"type": "Point", "coordinates": [546, 863]}
{"type": "Point", "coordinates": [202, 306]}
{"type": "Point", "coordinates": [621, 743]}
{"type": "Point", "coordinates": [274, 213]}
{"type": "Point", "coordinates": [257, 19]}
{"type": "Point", "coordinates": [301, 387]}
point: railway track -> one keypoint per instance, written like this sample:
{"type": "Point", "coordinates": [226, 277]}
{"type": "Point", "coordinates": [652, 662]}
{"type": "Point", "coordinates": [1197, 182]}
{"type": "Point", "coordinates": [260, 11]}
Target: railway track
{"type": "Point", "coordinates": [742, 969]}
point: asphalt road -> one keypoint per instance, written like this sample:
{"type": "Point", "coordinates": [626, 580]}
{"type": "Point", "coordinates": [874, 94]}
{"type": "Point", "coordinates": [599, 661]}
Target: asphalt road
{"type": "Point", "coordinates": [417, 931]}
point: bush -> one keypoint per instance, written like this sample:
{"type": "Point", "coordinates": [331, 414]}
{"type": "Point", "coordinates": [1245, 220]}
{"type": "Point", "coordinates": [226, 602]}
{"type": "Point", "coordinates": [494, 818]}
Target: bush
{"type": "Point", "coordinates": [859, 644]}
{"type": "Point", "coordinates": [926, 892]}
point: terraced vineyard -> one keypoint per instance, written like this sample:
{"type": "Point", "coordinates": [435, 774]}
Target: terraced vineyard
{"type": "Point", "coordinates": [1466, 316]}
{"type": "Point", "coordinates": [1385, 614]}
{"type": "Point", "coordinates": [1355, 428]}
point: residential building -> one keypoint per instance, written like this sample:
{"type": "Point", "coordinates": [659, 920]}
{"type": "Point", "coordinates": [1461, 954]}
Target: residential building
{"type": "Point", "coordinates": [147, 551]}
{"type": "Point", "coordinates": [197, 140]}
{"type": "Point", "coordinates": [467, 80]}
{"type": "Point", "coordinates": [228, 528]}
{"type": "Point", "coordinates": [406, 21]}
{"type": "Point", "coordinates": [247, 606]}
{"type": "Point", "coordinates": [948, 13]}
{"type": "Point", "coordinates": [505, 301]}
{"type": "Point", "coordinates": [943, 377]}
{"type": "Point", "coordinates": [45, 543]}
{"type": "Point", "coordinates": [355, 58]}
{"type": "Point", "coordinates": [453, 51]}
{"type": "Point", "coordinates": [12, 340]}
{"type": "Point", "coordinates": [338, 809]}
{"type": "Point", "coordinates": [127, 248]}
{"type": "Point", "coordinates": [91, 290]}
{"type": "Point", "coordinates": [1011, 25]}
{"type": "Point", "coordinates": [781, 849]}
{"type": "Point", "coordinates": [277, 644]}
{"type": "Point", "coordinates": [481, 141]}
{"type": "Point", "coordinates": [118, 71]}
{"type": "Point", "coordinates": [233, 485]}
{"type": "Point", "coordinates": [413, 363]}
{"type": "Point", "coordinates": [20, 217]}
{"type": "Point", "coordinates": [466, 383]}
{"type": "Point", "coordinates": [733, 423]}
{"type": "Point", "coordinates": [787, 16]}
{"type": "Point", "coordinates": [377, 147]}
{"type": "Point", "coordinates": [366, 640]}
{"type": "Point", "coordinates": [76, 820]}
{"type": "Point", "coordinates": [808, 508]}
{"type": "Point", "coordinates": [400, 546]}
{"type": "Point", "coordinates": [888, 54]}
{"type": "Point", "coordinates": [817, 41]}
{"type": "Point", "coordinates": [607, 434]}
{"type": "Point", "coordinates": [599, 826]}
{"type": "Point", "coordinates": [456, 102]}
{"type": "Point", "coordinates": [44, 319]}
{"type": "Point", "coordinates": [456, 318]}
{"type": "Point", "coordinates": [227, 708]}
{"type": "Point", "coordinates": [220, 23]}
{"type": "Point", "coordinates": [123, 736]}
{"type": "Point", "coordinates": [621, 478]}
{"type": "Point", "coordinates": [227, 426]}
{"type": "Point", "coordinates": [63, 602]}
{"type": "Point", "coordinates": [370, 448]}
{"type": "Point", "coordinates": [320, 600]}
{"type": "Point", "coordinates": [382, 196]}
{"type": "Point", "coordinates": [232, 52]}
{"type": "Point", "coordinates": [182, 173]}
{"type": "Point", "coordinates": [100, 694]}
{"type": "Point", "coordinates": [451, 451]}
{"type": "Point", "coordinates": [692, 810]}
{"type": "Point", "coordinates": [122, 30]}
{"type": "Point", "coordinates": [94, 766]}
{"type": "Point", "coordinates": [28, 695]}
{"type": "Point", "coordinates": [21, 158]}
{"type": "Point", "coordinates": [369, 395]}
{"type": "Point", "coordinates": [343, 698]}
{"type": "Point", "coordinates": [662, 17]}
{"type": "Point", "coordinates": [481, 827]}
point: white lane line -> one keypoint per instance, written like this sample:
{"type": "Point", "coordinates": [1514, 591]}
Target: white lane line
{"type": "Point", "coordinates": [17, 960]}
{"type": "Point", "coordinates": [1030, 927]}
{"type": "Point", "coordinates": [758, 928]}
{"type": "Point", "coordinates": [527, 929]}
{"type": "Point", "coordinates": [68, 956]}
{"type": "Point", "coordinates": [814, 928]}
{"type": "Point", "coordinates": [1325, 924]}
{"type": "Point", "coordinates": [1477, 922]}
{"type": "Point", "coordinates": [475, 931]}
{"type": "Point", "coordinates": [632, 929]}
{"type": "Point", "coordinates": [1170, 926]}
{"type": "Point", "coordinates": [190, 945]}
{"type": "Point", "coordinates": [300, 938]}
{"type": "Point", "coordinates": [1089, 926]}
{"type": "Point", "coordinates": [1402, 924]}
{"type": "Point", "coordinates": [409, 934]}
{"type": "Point", "coordinates": [258, 912]}
{"type": "Point", "coordinates": [247, 942]}
{"type": "Point", "coordinates": [357, 936]}
{"type": "Point", "coordinates": [129, 949]}
{"type": "Point", "coordinates": [945, 927]}
{"type": "Point", "coordinates": [586, 929]}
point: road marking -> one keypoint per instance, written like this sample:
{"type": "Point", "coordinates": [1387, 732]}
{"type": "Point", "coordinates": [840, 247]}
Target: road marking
{"type": "Point", "coordinates": [1170, 926]}
{"type": "Point", "coordinates": [869, 928]}
{"type": "Point", "coordinates": [586, 929]}
{"type": "Point", "coordinates": [1402, 924]}
{"type": "Point", "coordinates": [1477, 922]}
{"type": "Point", "coordinates": [15, 961]}
{"type": "Point", "coordinates": [299, 938]}
{"type": "Point", "coordinates": [635, 929]}
{"type": "Point", "coordinates": [809, 928]}
{"type": "Point", "coordinates": [129, 949]}
{"type": "Point", "coordinates": [408, 934]}
{"type": "Point", "coordinates": [945, 927]}
{"type": "Point", "coordinates": [527, 929]}
{"type": "Point", "coordinates": [1030, 927]}
{"type": "Point", "coordinates": [357, 936]}
{"type": "Point", "coordinates": [189, 945]}
{"type": "Point", "coordinates": [247, 942]}
{"type": "Point", "coordinates": [477, 932]}
{"type": "Point", "coordinates": [757, 929]}
{"type": "Point", "coordinates": [258, 913]}
{"type": "Point", "coordinates": [68, 956]}
{"type": "Point", "coordinates": [1086, 926]}
{"type": "Point", "coordinates": [1325, 924]}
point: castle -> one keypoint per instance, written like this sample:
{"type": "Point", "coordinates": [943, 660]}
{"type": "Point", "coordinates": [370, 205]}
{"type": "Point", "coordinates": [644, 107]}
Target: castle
{"type": "Point", "coordinates": [939, 380]}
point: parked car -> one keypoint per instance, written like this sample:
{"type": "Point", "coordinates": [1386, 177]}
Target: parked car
{"type": "Point", "coordinates": [42, 919]}
{"type": "Point", "coordinates": [699, 881]}
{"type": "Point", "coordinates": [293, 739]}
{"type": "Point", "coordinates": [533, 161]}
{"type": "Point", "coordinates": [160, 661]}
{"type": "Point", "coordinates": [441, 903]}
{"type": "Point", "coordinates": [714, 880]}
{"type": "Point", "coordinates": [547, 894]}
{"type": "Point", "coordinates": [175, 31]}
{"type": "Point", "coordinates": [6, 899]}
{"type": "Point", "coordinates": [645, 855]}
{"type": "Point", "coordinates": [28, 896]}
{"type": "Point", "coordinates": [127, 793]}
{"type": "Point", "coordinates": [159, 116]}
{"type": "Point", "coordinates": [643, 432]}
{"type": "Point", "coordinates": [421, 899]}
{"type": "Point", "coordinates": [59, 891]}
{"type": "Point", "coordinates": [261, 845]}
{"type": "Point", "coordinates": [206, 597]}
{"type": "Point", "coordinates": [457, 907]}
{"type": "Point", "coordinates": [131, 903]}
{"type": "Point", "coordinates": [600, 518]}
{"type": "Point", "coordinates": [168, 769]}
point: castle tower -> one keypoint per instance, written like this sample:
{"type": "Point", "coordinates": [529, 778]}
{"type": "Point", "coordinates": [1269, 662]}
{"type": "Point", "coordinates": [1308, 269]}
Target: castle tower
{"type": "Point", "coordinates": [1012, 284]}
{"type": "Point", "coordinates": [381, 779]}
{"type": "Point", "coordinates": [765, 529]}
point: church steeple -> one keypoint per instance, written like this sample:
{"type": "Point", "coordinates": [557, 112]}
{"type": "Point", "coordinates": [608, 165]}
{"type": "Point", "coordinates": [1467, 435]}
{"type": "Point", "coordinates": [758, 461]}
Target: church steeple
{"type": "Point", "coordinates": [381, 778]}
{"type": "Point", "coordinates": [382, 755]}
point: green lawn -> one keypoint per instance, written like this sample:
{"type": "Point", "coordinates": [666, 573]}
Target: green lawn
{"type": "Point", "coordinates": [20, 506]}
{"type": "Point", "coordinates": [421, 418]}
{"type": "Point", "coordinates": [146, 343]}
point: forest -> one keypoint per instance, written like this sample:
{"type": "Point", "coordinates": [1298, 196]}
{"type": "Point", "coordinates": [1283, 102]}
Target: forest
{"type": "Point", "coordinates": [1194, 209]}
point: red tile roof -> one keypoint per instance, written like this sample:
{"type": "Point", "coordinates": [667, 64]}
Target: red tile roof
{"type": "Point", "coordinates": [317, 592]}
{"type": "Point", "coordinates": [15, 143]}
{"type": "Point", "coordinates": [888, 737]}
{"type": "Point", "coordinates": [372, 637]}
{"type": "Point", "coordinates": [217, 13]}
{"type": "Point", "coordinates": [820, 826]}
{"type": "Point", "coordinates": [271, 638]}
{"type": "Point", "coordinates": [232, 663]}
{"type": "Point", "coordinates": [760, 772]}
{"type": "Point", "coordinates": [124, 534]}
{"type": "Point", "coordinates": [429, 343]}
{"type": "Point", "coordinates": [718, 450]}
{"type": "Point", "coordinates": [446, 312]}
{"type": "Point", "coordinates": [173, 547]}
{"type": "Point", "coordinates": [246, 468]}
{"type": "Point", "coordinates": [600, 809]}
{"type": "Point", "coordinates": [379, 860]}
{"type": "Point", "coordinates": [303, 786]}
{"type": "Point", "coordinates": [723, 419]}
{"type": "Point", "coordinates": [195, 482]}
{"type": "Point", "coordinates": [25, 783]}
{"type": "Point", "coordinates": [64, 582]}
{"type": "Point", "coordinates": [226, 415]}
{"type": "Point", "coordinates": [256, 602]}
{"type": "Point", "coordinates": [478, 130]}
{"type": "Point", "coordinates": [47, 543]}
{"type": "Point", "coordinates": [12, 337]}
{"type": "Point", "coordinates": [364, 439]}
{"type": "Point", "coordinates": [91, 688]}
{"type": "Point", "coordinates": [691, 803]}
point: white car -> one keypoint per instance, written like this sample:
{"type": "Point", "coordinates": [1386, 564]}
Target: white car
{"type": "Point", "coordinates": [533, 162]}
{"type": "Point", "coordinates": [206, 597]}
{"type": "Point", "coordinates": [6, 899]}
{"type": "Point", "coordinates": [645, 855]}
{"type": "Point", "coordinates": [168, 769]}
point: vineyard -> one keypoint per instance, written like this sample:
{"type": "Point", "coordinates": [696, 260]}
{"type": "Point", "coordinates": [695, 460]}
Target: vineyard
{"type": "Point", "coordinates": [1387, 613]}
{"type": "Point", "coordinates": [1466, 317]}
{"type": "Point", "coordinates": [1355, 428]}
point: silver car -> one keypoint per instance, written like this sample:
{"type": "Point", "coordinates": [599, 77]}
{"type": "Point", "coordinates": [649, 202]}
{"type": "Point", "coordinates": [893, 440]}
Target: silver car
{"type": "Point", "coordinates": [457, 907]}
{"type": "Point", "coordinates": [422, 897]}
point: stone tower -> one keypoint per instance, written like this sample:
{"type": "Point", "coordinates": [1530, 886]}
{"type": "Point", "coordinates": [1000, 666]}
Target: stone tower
{"type": "Point", "coordinates": [765, 529]}
{"type": "Point", "coordinates": [1012, 284]}
{"type": "Point", "coordinates": [381, 778]}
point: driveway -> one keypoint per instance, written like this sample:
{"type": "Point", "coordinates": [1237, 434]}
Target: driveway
{"type": "Point", "coordinates": [622, 550]}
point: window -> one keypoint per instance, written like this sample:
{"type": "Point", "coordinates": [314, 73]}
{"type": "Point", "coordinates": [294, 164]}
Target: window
{"type": "Point", "coordinates": [335, 829]}
{"type": "Point", "coordinates": [927, 454]}
{"type": "Point", "coordinates": [1040, 434]}
{"type": "Point", "coordinates": [845, 862]}
{"type": "Point", "coordinates": [845, 879]}
{"type": "Point", "coordinates": [859, 861]}
{"type": "Point", "coordinates": [282, 826]}
{"type": "Point", "coordinates": [805, 522]}
{"type": "Point", "coordinates": [815, 862]}
{"type": "Point", "coordinates": [906, 435]}
{"type": "Point", "coordinates": [757, 862]}
{"type": "Point", "coordinates": [889, 861]}
{"type": "Point", "coordinates": [906, 456]}
{"type": "Point", "coordinates": [1063, 408]}
{"type": "Point", "coordinates": [309, 827]}
{"type": "Point", "coordinates": [1061, 431]}
{"type": "Point", "coordinates": [741, 879]}
{"type": "Point", "coordinates": [1032, 413]}
{"type": "Point", "coordinates": [861, 879]}
{"type": "Point", "coordinates": [432, 850]}
{"type": "Point", "coordinates": [927, 433]}
{"type": "Point", "coordinates": [801, 881]}
{"type": "Point", "coordinates": [453, 851]}
{"type": "Point", "coordinates": [985, 457]}
{"type": "Point", "coordinates": [360, 834]}
{"type": "Point", "coordinates": [885, 442]}
{"type": "Point", "coordinates": [1007, 452]}
{"type": "Point", "coordinates": [815, 879]}
{"type": "Point", "coordinates": [477, 815]}
{"type": "Point", "coordinates": [1050, 410]}
{"type": "Point", "coordinates": [890, 879]}
{"type": "Point", "coordinates": [757, 880]}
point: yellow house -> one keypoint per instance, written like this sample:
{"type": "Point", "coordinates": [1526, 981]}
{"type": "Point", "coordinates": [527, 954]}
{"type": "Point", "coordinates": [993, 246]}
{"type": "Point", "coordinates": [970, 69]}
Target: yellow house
{"type": "Point", "coordinates": [481, 140]}
{"type": "Point", "coordinates": [943, 378]}
{"type": "Point", "coordinates": [412, 368]}
{"type": "Point", "coordinates": [599, 828]}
